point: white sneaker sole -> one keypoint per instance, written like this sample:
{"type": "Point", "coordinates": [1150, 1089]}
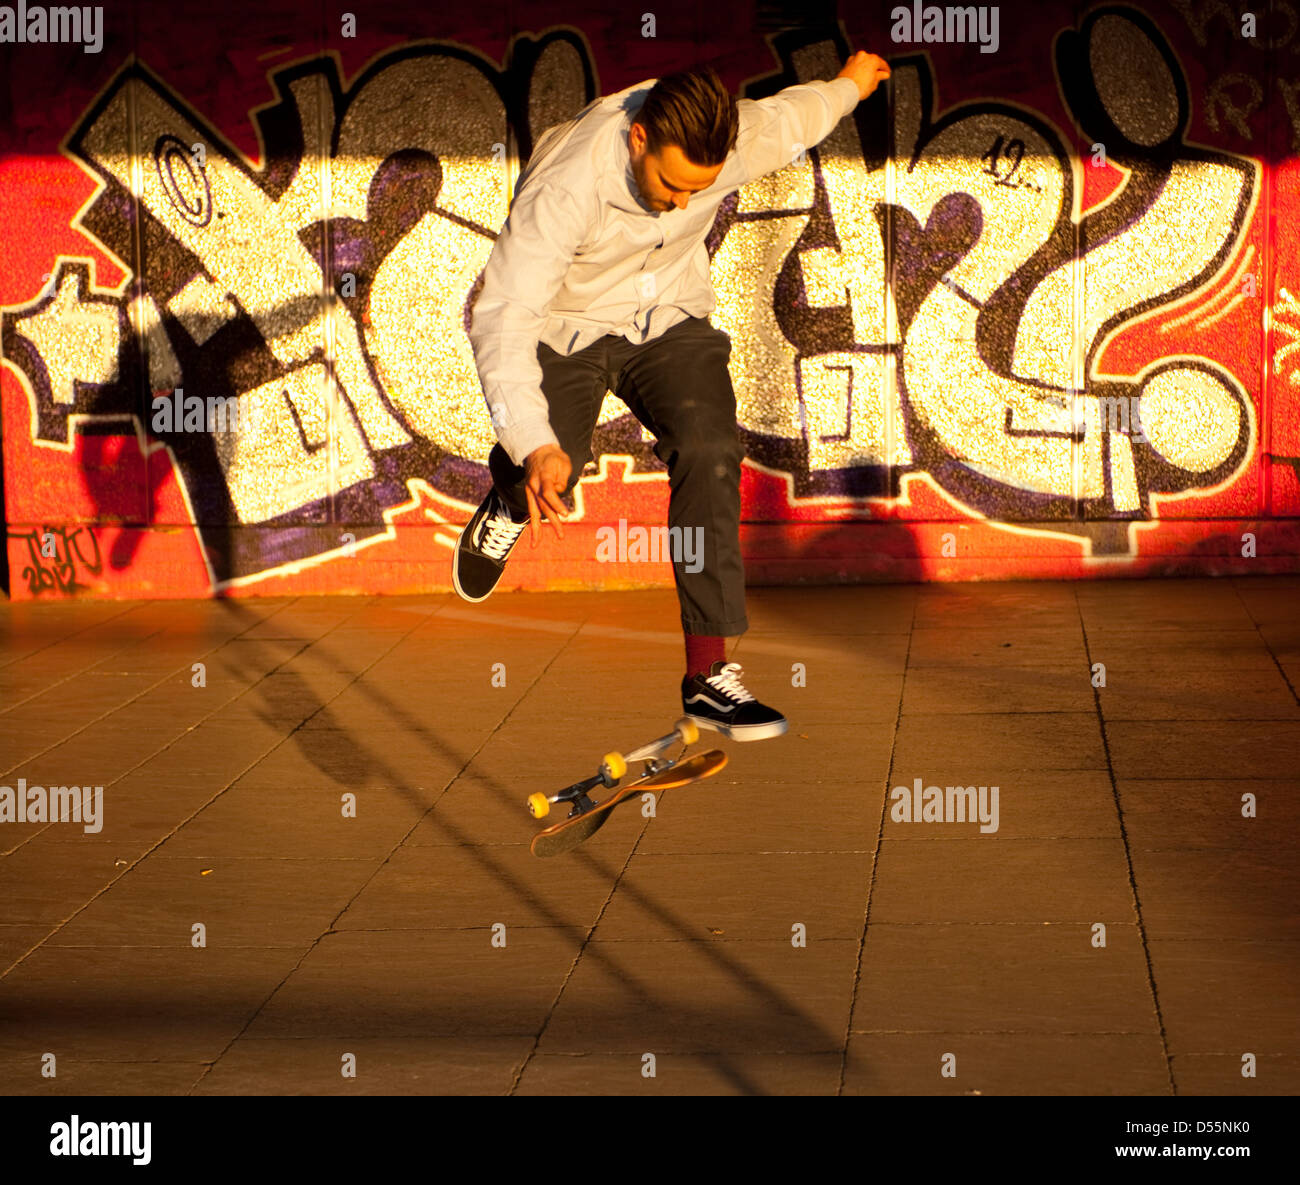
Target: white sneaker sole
{"type": "Point", "coordinates": [744, 732]}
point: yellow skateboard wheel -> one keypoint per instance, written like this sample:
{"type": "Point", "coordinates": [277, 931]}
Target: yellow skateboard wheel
{"type": "Point", "coordinates": [689, 731]}
{"type": "Point", "coordinates": [614, 765]}
{"type": "Point", "coordinates": [539, 805]}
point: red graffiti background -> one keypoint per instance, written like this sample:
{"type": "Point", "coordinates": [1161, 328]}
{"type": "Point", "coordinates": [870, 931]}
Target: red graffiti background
{"type": "Point", "coordinates": [883, 316]}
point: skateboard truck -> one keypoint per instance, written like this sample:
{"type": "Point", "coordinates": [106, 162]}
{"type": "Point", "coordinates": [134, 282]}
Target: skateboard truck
{"type": "Point", "coordinates": [661, 772]}
{"type": "Point", "coordinates": [613, 768]}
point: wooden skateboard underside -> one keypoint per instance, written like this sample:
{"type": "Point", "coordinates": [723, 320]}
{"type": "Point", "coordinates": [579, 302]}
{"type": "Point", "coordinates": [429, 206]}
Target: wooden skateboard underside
{"type": "Point", "coordinates": [569, 833]}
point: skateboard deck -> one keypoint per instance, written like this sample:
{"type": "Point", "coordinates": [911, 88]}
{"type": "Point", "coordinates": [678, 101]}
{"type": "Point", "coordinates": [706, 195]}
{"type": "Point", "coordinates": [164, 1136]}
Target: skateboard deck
{"type": "Point", "coordinates": [587, 816]}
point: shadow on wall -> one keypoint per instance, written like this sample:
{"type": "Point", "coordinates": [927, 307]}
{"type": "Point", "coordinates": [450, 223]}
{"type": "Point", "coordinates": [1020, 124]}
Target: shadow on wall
{"type": "Point", "coordinates": [861, 552]}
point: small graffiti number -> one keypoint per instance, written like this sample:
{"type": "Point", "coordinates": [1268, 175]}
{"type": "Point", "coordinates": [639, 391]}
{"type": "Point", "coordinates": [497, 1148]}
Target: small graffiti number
{"type": "Point", "coordinates": [1012, 152]}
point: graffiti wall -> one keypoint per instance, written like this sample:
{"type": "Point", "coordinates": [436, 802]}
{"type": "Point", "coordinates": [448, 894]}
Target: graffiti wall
{"type": "Point", "coordinates": [1027, 312]}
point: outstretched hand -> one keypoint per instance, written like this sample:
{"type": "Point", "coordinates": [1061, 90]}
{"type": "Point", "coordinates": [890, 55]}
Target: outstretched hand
{"type": "Point", "coordinates": [548, 469]}
{"type": "Point", "coordinates": [866, 70]}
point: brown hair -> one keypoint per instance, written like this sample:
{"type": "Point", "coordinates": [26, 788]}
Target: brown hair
{"type": "Point", "coordinates": [693, 111]}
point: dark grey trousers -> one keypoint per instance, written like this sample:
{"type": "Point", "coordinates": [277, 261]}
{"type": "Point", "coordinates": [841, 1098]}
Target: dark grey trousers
{"type": "Point", "coordinates": [677, 385]}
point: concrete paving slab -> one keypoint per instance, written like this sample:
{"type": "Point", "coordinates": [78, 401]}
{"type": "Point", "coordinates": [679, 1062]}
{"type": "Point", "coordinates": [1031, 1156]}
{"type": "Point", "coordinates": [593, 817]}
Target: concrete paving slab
{"type": "Point", "coordinates": [1224, 693]}
{"type": "Point", "coordinates": [160, 656]}
{"type": "Point", "coordinates": [719, 996]}
{"type": "Point", "coordinates": [1216, 1074]}
{"type": "Point", "coordinates": [436, 1066]}
{"type": "Point", "coordinates": [1005, 978]}
{"type": "Point", "coordinates": [1228, 997]}
{"type": "Point", "coordinates": [736, 815]}
{"type": "Point", "coordinates": [359, 758]}
{"type": "Point", "coordinates": [625, 1074]}
{"type": "Point", "coordinates": [532, 760]}
{"type": "Point", "coordinates": [995, 1064]}
{"type": "Point", "coordinates": [1204, 749]}
{"type": "Point", "coordinates": [982, 648]}
{"type": "Point", "coordinates": [477, 811]}
{"type": "Point", "coordinates": [857, 663]}
{"type": "Point", "coordinates": [1161, 604]}
{"type": "Point", "coordinates": [138, 814]}
{"type": "Point", "coordinates": [29, 627]}
{"type": "Point", "coordinates": [1270, 600]}
{"type": "Point", "coordinates": [99, 752]}
{"type": "Point", "coordinates": [1176, 814]}
{"type": "Point", "coordinates": [135, 1003]}
{"type": "Point", "coordinates": [1291, 671]}
{"type": "Point", "coordinates": [45, 884]}
{"type": "Point", "coordinates": [215, 747]}
{"type": "Point", "coordinates": [939, 691]}
{"type": "Point", "coordinates": [996, 606]}
{"type": "Point", "coordinates": [16, 940]}
{"type": "Point", "coordinates": [843, 610]}
{"type": "Point", "coordinates": [812, 751]}
{"type": "Point", "coordinates": [80, 652]}
{"type": "Point", "coordinates": [667, 934]}
{"type": "Point", "coordinates": [739, 896]}
{"type": "Point", "coordinates": [1228, 893]}
{"type": "Point", "coordinates": [14, 835]}
{"type": "Point", "coordinates": [434, 722]}
{"type": "Point", "coordinates": [422, 983]}
{"type": "Point", "coordinates": [158, 901]}
{"type": "Point", "coordinates": [644, 713]}
{"type": "Point", "coordinates": [119, 1079]}
{"type": "Point", "coordinates": [980, 880]}
{"type": "Point", "coordinates": [76, 701]}
{"type": "Point", "coordinates": [257, 818]}
{"type": "Point", "coordinates": [473, 888]}
{"type": "Point", "coordinates": [1170, 652]}
{"type": "Point", "coordinates": [962, 748]}
{"type": "Point", "coordinates": [1282, 637]}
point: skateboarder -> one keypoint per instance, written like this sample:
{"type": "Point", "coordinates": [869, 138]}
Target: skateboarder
{"type": "Point", "coordinates": [600, 281]}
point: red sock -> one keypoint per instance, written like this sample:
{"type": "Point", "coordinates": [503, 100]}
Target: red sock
{"type": "Point", "coordinates": [702, 651]}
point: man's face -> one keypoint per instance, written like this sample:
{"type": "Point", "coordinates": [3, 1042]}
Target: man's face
{"type": "Point", "coordinates": [666, 178]}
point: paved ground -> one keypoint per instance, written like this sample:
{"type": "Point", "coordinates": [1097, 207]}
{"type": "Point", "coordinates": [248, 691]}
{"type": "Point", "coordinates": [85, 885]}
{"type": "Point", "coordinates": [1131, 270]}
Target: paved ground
{"type": "Point", "coordinates": [674, 936]}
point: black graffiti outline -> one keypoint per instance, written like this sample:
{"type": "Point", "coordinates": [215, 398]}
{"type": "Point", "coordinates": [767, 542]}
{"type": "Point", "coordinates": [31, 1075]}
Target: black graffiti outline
{"type": "Point", "coordinates": [165, 151]}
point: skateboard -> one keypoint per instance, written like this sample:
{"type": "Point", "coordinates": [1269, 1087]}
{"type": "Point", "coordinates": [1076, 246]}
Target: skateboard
{"type": "Point", "coordinates": [587, 816]}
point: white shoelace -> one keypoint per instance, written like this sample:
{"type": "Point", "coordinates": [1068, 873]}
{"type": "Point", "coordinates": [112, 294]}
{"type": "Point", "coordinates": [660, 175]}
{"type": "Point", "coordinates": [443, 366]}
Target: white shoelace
{"type": "Point", "coordinates": [727, 681]}
{"type": "Point", "coordinates": [499, 535]}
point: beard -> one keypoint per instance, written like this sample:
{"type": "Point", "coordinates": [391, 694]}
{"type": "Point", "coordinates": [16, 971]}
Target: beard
{"type": "Point", "coordinates": [651, 203]}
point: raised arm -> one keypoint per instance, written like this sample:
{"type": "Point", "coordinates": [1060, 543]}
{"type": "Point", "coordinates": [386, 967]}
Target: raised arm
{"type": "Point", "coordinates": [804, 114]}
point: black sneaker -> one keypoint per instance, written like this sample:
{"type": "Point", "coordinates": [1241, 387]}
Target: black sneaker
{"type": "Point", "coordinates": [719, 701]}
{"type": "Point", "coordinates": [484, 546]}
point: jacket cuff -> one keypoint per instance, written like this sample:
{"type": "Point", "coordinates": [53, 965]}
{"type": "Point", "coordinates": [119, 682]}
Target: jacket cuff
{"type": "Point", "coordinates": [521, 439]}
